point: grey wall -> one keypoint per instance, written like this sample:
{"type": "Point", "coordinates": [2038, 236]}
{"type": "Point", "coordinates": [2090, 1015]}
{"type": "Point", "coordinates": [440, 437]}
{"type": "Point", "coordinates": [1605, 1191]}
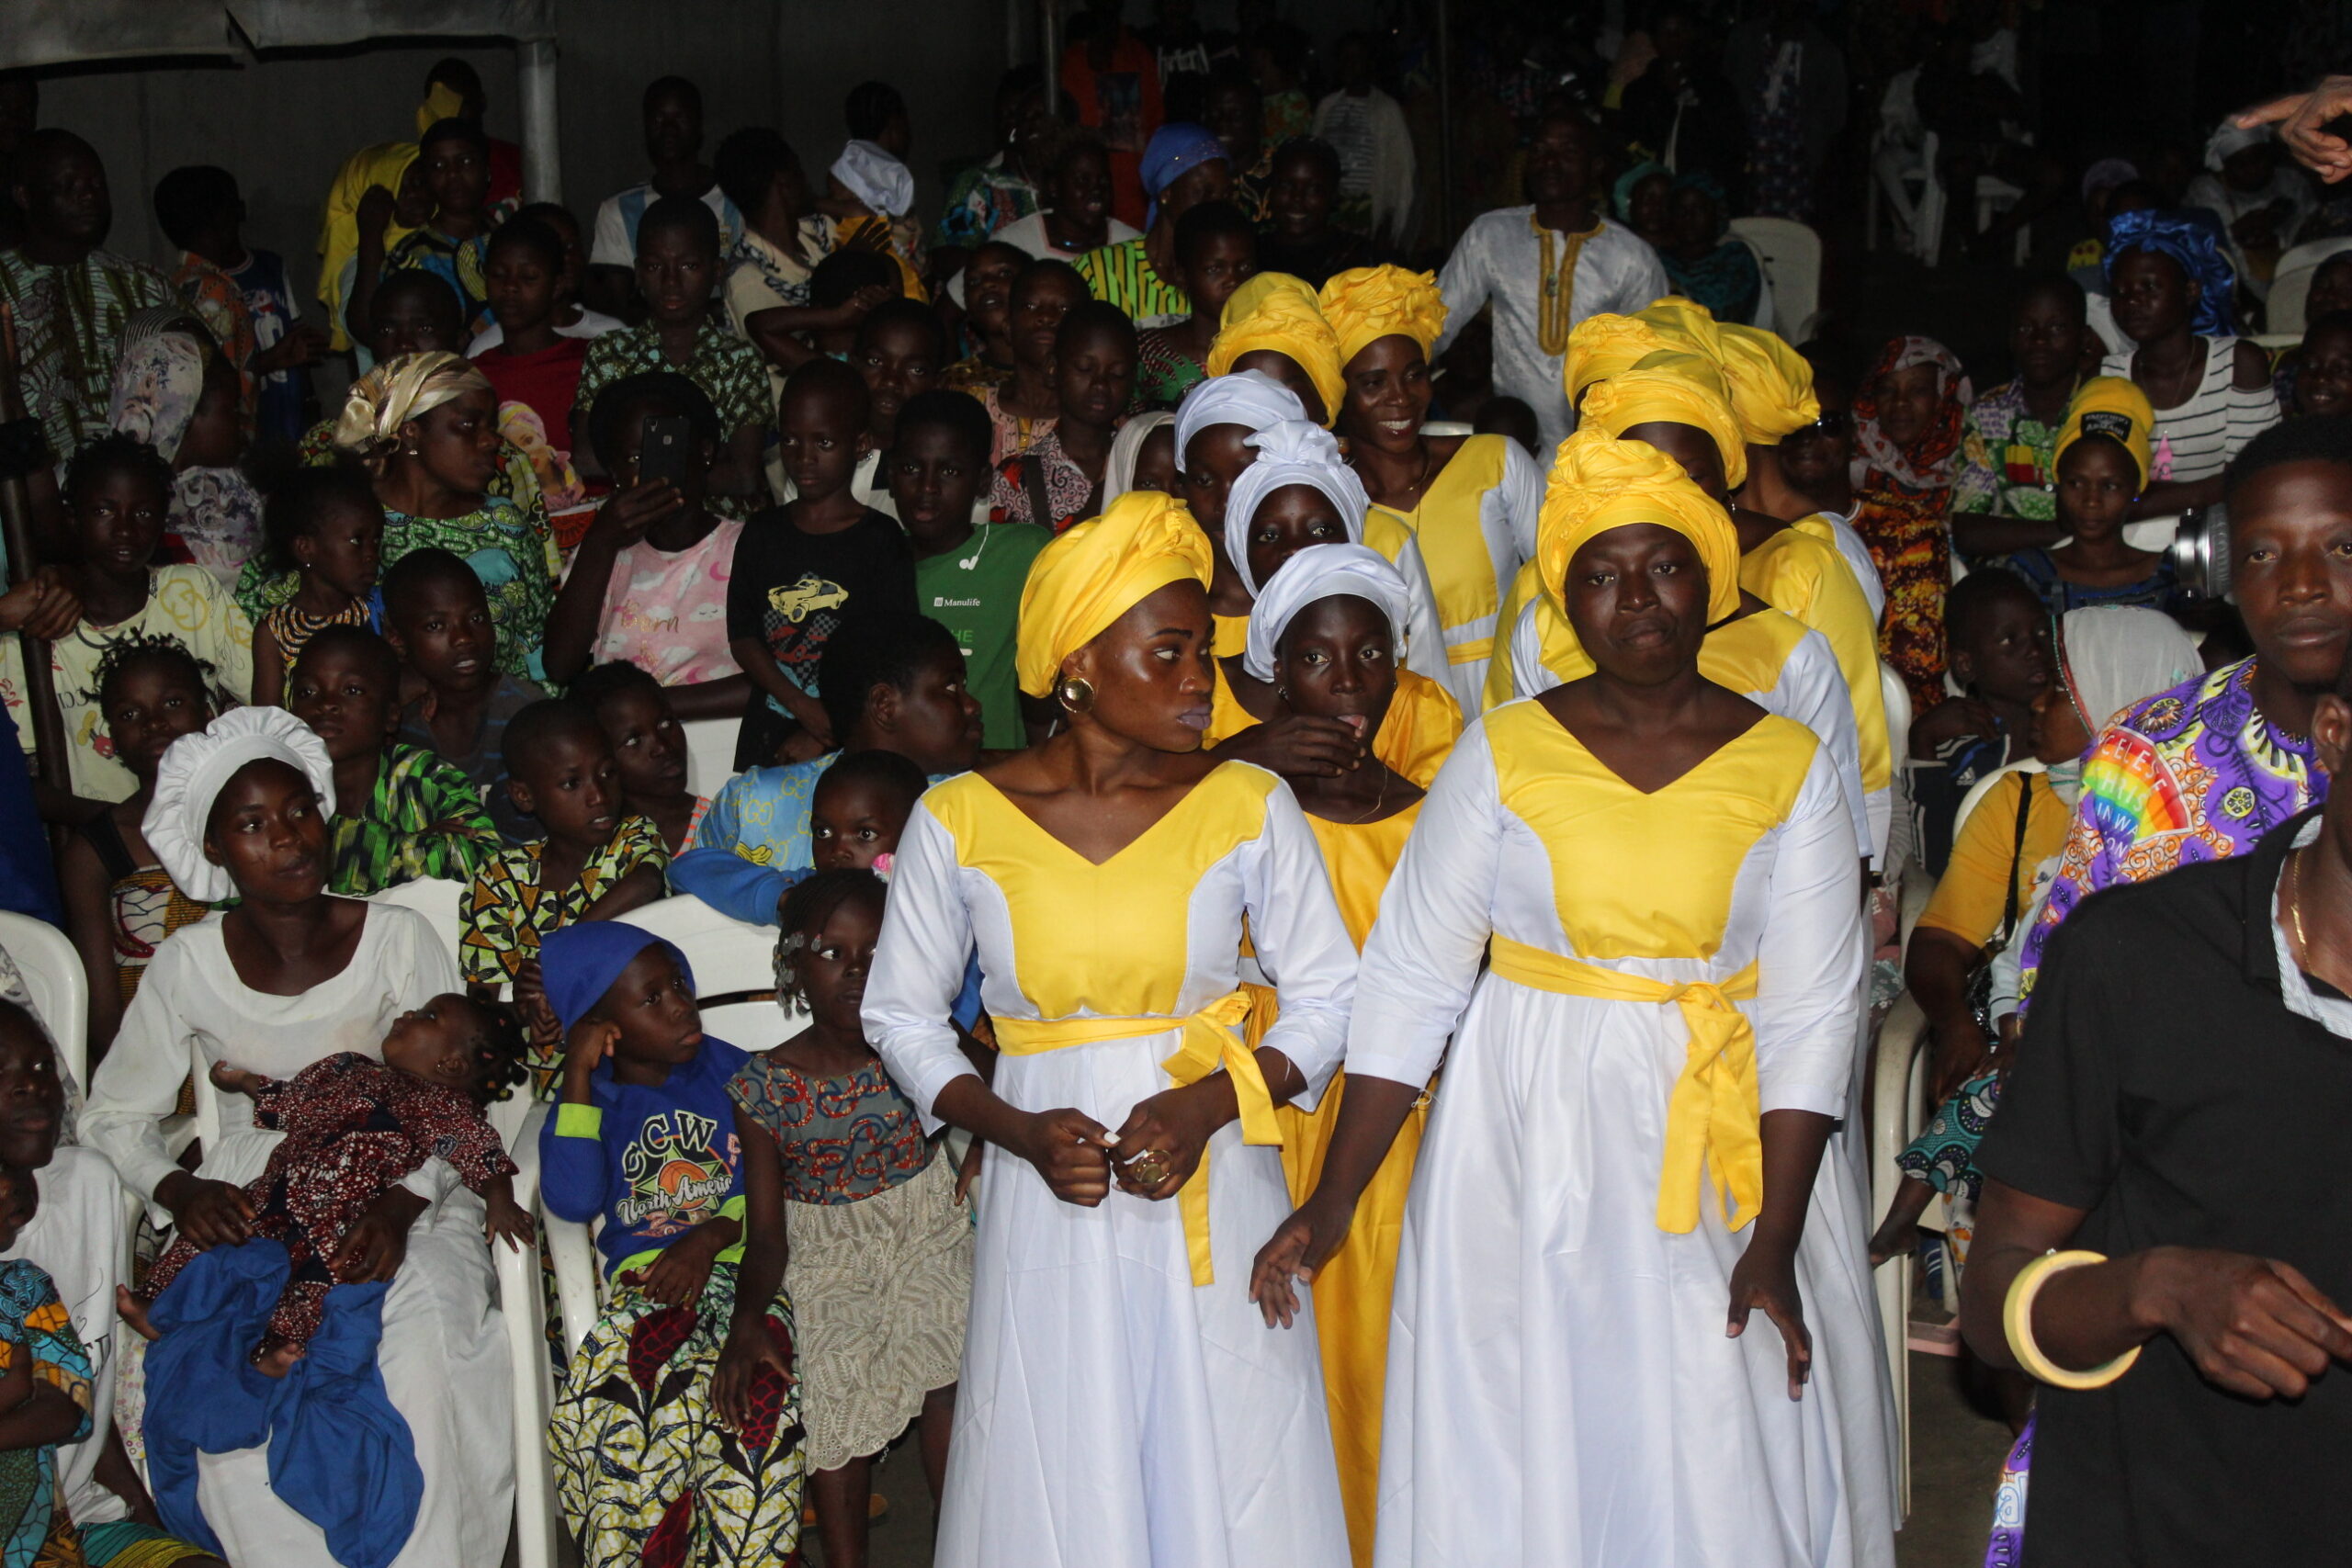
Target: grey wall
{"type": "Point", "coordinates": [284, 126]}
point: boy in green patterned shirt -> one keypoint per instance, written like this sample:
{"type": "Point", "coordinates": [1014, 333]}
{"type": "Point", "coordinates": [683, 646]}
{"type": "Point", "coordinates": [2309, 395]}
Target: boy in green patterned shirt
{"type": "Point", "coordinates": [595, 863]}
{"type": "Point", "coordinates": [400, 813]}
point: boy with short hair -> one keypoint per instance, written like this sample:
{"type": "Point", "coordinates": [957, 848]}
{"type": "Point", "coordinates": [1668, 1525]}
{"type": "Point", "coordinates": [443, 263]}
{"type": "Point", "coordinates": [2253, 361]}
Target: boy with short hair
{"type": "Point", "coordinates": [677, 270]}
{"type": "Point", "coordinates": [241, 294]}
{"type": "Point", "coordinates": [968, 576]}
{"type": "Point", "coordinates": [436, 618]}
{"type": "Point", "coordinates": [594, 863]}
{"type": "Point", "coordinates": [1217, 253]}
{"type": "Point", "coordinates": [400, 813]}
{"type": "Point", "coordinates": [804, 569]}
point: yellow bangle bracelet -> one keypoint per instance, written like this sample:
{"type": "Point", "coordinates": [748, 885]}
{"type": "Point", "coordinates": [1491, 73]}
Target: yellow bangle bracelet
{"type": "Point", "coordinates": [2017, 1324]}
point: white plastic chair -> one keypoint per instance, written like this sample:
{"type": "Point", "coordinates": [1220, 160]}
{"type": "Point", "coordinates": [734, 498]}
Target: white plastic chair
{"type": "Point", "coordinates": [1896, 698]}
{"type": "Point", "coordinates": [729, 956]}
{"type": "Point", "coordinates": [438, 899]}
{"type": "Point", "coordinates": [710, 752]}
{"type": "Point", "coordinates": [1789, 253]}
{"type": "Point", "coordinates": [53, 975]}
{"type": "Point", "coordinates": [1992, 196]}
{"type": "Point", "coordinates": [2290, 283]}
{"type": "Point", "coordinates": [2152, 532]}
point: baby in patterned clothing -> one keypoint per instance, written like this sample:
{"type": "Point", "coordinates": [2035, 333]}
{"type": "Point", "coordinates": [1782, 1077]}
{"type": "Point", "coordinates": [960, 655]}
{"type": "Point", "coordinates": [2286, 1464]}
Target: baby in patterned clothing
{"type": "Point", "coordinates": [356, 1127]}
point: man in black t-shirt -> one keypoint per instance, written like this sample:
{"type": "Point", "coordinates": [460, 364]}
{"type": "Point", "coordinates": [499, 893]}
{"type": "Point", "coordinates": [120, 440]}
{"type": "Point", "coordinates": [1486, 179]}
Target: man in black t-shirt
{"type": "Point", "coordinates": [2178, 1113]}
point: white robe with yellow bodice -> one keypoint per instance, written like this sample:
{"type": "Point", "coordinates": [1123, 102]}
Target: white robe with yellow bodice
{"type": "Point", "coordinates": [1561, 1390]}
{"type": "Point", "coordinates": [1112, 1413]}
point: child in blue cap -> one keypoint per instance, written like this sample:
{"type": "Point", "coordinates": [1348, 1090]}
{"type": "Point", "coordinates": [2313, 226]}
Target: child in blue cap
{"type": "Point", "coordinates": [643, 1137]}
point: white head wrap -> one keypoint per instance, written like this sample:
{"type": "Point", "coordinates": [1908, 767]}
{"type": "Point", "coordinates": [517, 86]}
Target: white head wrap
{"type": "Point", "coordinates": [195, 769]}
{"type": "Point", "coordinates": [876, 178]}
{"type": "Point", "coordinates": [1249, 398]}
{"type": "Point", "coordinates": [1119, 470]}
{"type": "Point", "coordinates": [2227, 141]}
{"type": "Point", "coordinates": [1295, 452]}
{"type": "Point", "coordinates": [1318, 572]}
{"type": "Point", "coordinates": [2111, 656]}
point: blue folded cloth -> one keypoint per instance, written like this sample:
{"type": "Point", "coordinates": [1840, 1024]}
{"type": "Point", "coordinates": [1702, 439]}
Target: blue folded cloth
{"type": "Point", "coordinates": [340, 1455]}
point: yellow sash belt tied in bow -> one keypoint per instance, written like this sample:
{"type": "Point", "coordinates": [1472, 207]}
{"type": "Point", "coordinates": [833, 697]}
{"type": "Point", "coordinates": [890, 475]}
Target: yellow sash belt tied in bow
{"type": "Point", "coordinates": [1713, 1121]}
{"type": "Point", "coordinates": [1212, 1039]}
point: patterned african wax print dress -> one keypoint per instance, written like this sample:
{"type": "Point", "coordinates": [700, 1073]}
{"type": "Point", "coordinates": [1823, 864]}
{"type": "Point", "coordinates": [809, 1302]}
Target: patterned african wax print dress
{"type": "Point", "coordinates": [1905, 493]}
{"type": "Point", "coordinates": [879, 1270]}
{"type": "Point", "coordinates": [1353, 1288]}
{"type": "Point", "coordinates": [645, 1473]}
{"type": "Point", "coordinates": [34, 1323]}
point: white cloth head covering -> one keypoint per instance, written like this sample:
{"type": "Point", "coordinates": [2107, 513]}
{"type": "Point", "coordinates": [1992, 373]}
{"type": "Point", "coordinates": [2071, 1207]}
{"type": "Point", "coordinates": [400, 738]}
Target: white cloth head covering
{"type": "Point", "coordinates": [1248, 397]}
{"type": "Point", "coordinates": [1318, 572]}
{"type": "Point", "coordinates": [2227, 141]}
{"type": "Point", "coordinates": [1295, 452]}
{"type": "Point", "coordinates": [876, 178]}
{"type": "Point", "coordinates": [195, 769]}
{"type": "Point", "coordinates": [2110, 656]}
{"type": "Point", "coordinates": [1119, 470]}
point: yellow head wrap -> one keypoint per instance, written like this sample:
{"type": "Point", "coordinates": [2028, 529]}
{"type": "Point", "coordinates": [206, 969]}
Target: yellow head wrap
{"type": "Point", "coordinates": [339, 233]}
{"type": "Point", "coordinates": [1096, 571]}
{"type": "Point", "coordinates": [1606, 344]}
{"type": "Point", "coordinates": [442, 103]}
{"type": "Point", "coordinates": [1366, 304]}
{"type": "Point", "coordinates": [1771, 384]}
{"type": "Point", "coordinates": [397, 391]}
{"type": "Point", "coordinates": [1673, 389]}
{"type": "Point", "coordinates": [1275, 311]}
{"type": "Point", "coordinates": [1687, 321]}
{"type": "Point", "coordinates": [1599, 483]}
{"type": "Point", "coordinates": [2113, 407]}
{"type": "Point", "coordinates": [1260, 287]}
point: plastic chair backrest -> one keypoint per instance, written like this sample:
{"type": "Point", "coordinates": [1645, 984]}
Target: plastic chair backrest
{"type": "Point", "coordinates": [1791, 255]}
{"type": "Point", "coordinates": [2152, 532]}
{"type": "Point", "coordinates": [437, 899]}
{"type": "Point", "coordinates": [58, 984]}
{"type": "Point", "coordinates": [1984, 786]}
{"type": "Point", "coordinates": [729, 956]}
{"type": "Point", "coordinates": [2290, 283]}
{"type": "Point", "coordinates": [752, 1026]}
{"type": "Point", "coordinates": [710, 752]}
{"type": "Point", "coordinates": [1896, 698]}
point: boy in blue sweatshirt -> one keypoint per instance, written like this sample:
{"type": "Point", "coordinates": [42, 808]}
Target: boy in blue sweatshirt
{"type": "Point", "coordinates": [643, 1137]}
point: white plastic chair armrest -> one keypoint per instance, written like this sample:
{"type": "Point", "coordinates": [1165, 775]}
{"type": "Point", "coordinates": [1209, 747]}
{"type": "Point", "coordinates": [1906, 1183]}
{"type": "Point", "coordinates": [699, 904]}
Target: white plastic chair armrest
{"type": "Point", "coordinates": [522, 1303]}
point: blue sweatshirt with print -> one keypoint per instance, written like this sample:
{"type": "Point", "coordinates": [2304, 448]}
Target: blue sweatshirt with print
{"type": "Point", "coordinates": [653, 1162]}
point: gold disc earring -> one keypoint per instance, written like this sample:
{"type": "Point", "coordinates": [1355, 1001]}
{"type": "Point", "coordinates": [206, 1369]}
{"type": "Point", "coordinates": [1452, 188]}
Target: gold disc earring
{"type": "Point", "coordinates": [1076, 694]}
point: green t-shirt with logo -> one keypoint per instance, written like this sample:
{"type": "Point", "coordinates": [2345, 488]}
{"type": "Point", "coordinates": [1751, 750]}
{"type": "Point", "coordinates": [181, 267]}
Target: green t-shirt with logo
{"type": "Point", "coordinates": [974, 590]}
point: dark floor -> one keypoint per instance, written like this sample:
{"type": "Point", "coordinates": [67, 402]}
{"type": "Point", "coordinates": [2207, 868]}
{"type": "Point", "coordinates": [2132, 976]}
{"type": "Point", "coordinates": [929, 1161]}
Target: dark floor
{"type": "Point", "coordinates": [1956, 1453]}
{"type": "Point", "coordinates": [903, 1539]}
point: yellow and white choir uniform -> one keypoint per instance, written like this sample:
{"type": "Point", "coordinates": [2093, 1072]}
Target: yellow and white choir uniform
{"type": "Point", "coordinates": [1475, 519]}
{"type": "Point", "coordinates": [1424, 719]}
{"type": "Point", "coordinates": [1257, 402]}
{"type": "Point", "coordinates": [1474, 525]}
{"type": "Point", "coordinates": [1769, 658]}
{"type": "Point", "coordinates": [1666, 967]}
{"type": "Point", "coordinates": [1123, 1404]}
{"type": "Point", "coordinates": [1353, 1286]}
